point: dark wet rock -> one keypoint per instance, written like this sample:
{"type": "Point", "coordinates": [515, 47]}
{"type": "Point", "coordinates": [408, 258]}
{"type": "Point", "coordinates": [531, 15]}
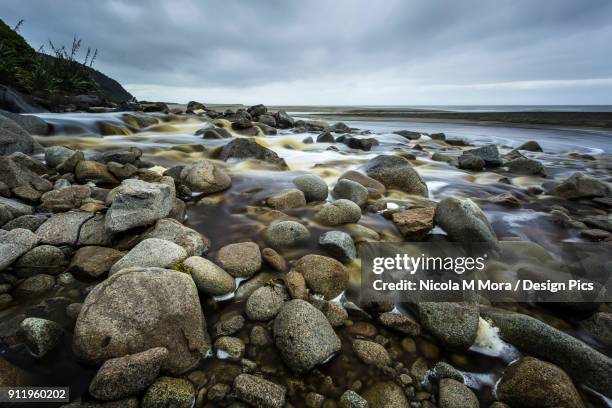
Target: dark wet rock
{"type": "Point", "coordinates": [56, 155]}
{"type": "Point", "coordinates": [41, 335]}
{"type": "Point", "coordinates": [323, 275]}
{"type": "Point", "coordinates": [241, 259]}
{"type": "Point", "coordinates": [599, 222]}
{"type": "Point", "coordinates": [29, 222]}
{"type": "Point", "coordinates": [325, 137]}
{"type": "Point", "coordinates": [122, 171]}
{"type": "Point", "coordinates": [94, 261]}
{"type": "Point", "coordinates": [371, 353]}
{"type": "Point", "coordinates": [35, 286]}
{"type": "Point", "coordinates": [339, 212]}
{"type": "Point", "coordinates": [303, 336]}
{"type": "Point", "coordinates": [535, 337]}
{"type": "Point", "coordinates": [523, 165]}
{"type": "Point", "coordinates": [169, 392]}
{"type": "Point", "coordinates": [308, 140]}
{"type": "Point", "coordinates": [351, 190]}
{"type": "Point", "coordinates": [531, 146]}
{"type": "Point", "coordinates": [440, 157]}
{"type": "Point", "coordinates": [260, 337]}
{"type": "Point", "coordinates": [464, 221]}
{"type": "Point", "coordinates": [579, 185]}
{"type": "Point", "coordinates": [205, 177]}
{"type": "Point", "coordinates": [23, 160]}
{"type": "Point", "coordinates": [296, 285]}
{"type": "Point", "coordinates": [397, 173]}
{"type": "Point", "coordinates": [41, 259]}
{"type": "Point", "coordinates": [339, 245]}
{"type": "Point", "coordinates": [11, 209]}
{"type": "Point", "coordinates": [374, 187]}
{"type": "Point", "coordinates": [243, 148]}
{"type": "Point", "coordinates": [532, 383]}
{"type": "Point", "coordinates": [313, 187]}
{"type": "Point", "coordinates": [283, 120]}
{"type": "Point", "coordinates": [125, 376]}
{"type": "Point", "coordinates": [281, 234]}
{"type": "Point", "coordinates": [112, 322]}
{"type": "Point", "coordinates": [386, 395]}
{"type": "Point", "coordinates": [437, 136]}
{"type": "Point", "coordinates": [14, 138]}
{"type": "Point", "coordinates": [408, 134]}
{"type": "Point", "coordinates": [15, 243]}
{"type": "Point", "coordinates": [65, 199]}
{"type": "Point", "coordinates": [63, 228]}
{"type": "Point", "coordinates": [214, 133]}
{"type": "Point", "coordinates": [242, 124]}
{"type": "Point", "coordinates": [172, 230]}
{"type": "Point", "coordinates": [274, 259]}
{"type": "Point", "coordinates": [208, 277]}
{"type": "Point", "coordinates": [137, 203]}
{"type": "Point", "coordinates": [265, 303]}
{"type": "Point", "coordinates": [139, 120]}
{"type": "Point", "coordinates": [454, 324]}
{"type": "Point", "coordinates": [454, 394]}
{"type": "Point", "coordinates": [285, 200]}
{"type": "Point", "coordinates": [259, 392]}
{"type": "Point", "coordinates": [30, 123]}
{"type": "Point", "coordinates": [350, 399]}
{"type": "Point", "coordinates": [228, 325]}
{"type": "Point", "coordinates": [400, 322]}
{"type": "Point", "coordinates": [506, 200]}
{"type": "Point", "coordinates": [233, 347]}
{"type": "Point", "coordinates": [364, 144]}
{"type": "Point", "coordinates": [151, 252]}
{"type": "Point", "coordinates": [87, 170]}
{"type": "Point", "coordinates": [268, 120]}
{"type": "Point", "coordinates": [469, 162]}
{"type": "Point", "coordinates": [595, 234]}
{"type": "Point", "coordinates": [414, 224]}
{"type": "Point", "coordinates": [488, 153]}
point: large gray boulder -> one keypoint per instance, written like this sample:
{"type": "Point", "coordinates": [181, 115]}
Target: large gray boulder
{"type": "Point", "coordinates": [137, 203]}
{"type": "Point", "coordinates": [464, 221]}
{"type": "Point", "coordinates": [13, 138]}
{"type": "Point", "coordinates": [488, 153]}
{"type": "Point", "coordinates": [11, 209]}
{"type": "Point", "coordinates": [172, 230]}
{"type": "Point", "coordinates": [580, 361]}
{"type": "Point", "coordinates": [56, 155]}
{"type": "Point", "coordinates": [303, 336]}
{"type": "Point", "coordinates": [397, 173]}
{"type": "Point", "coordinates": [152, 252]}
{"type": "Point", "coordinates": [30, 123]}
{"type": "Point", "coordinates": [205, 177]}
{"type": "Point", "coordinates": [14, 173]}
{"type": "Point", "coordinates": [63, 228]}
{"type": "Point", "coordinates": [15, 243]}
{"type": "Point", "coordinates": [138, 309]}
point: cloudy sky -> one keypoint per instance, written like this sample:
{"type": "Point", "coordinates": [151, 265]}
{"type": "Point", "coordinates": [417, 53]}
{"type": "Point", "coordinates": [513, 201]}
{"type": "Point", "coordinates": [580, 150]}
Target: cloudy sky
{"type": "Point", "coordinates": [334, 52]}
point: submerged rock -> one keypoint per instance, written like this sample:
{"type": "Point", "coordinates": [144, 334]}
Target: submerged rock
{"type": "Point", "coordinates": [205, 177]}
{"type": "Point", "coordinates": [532, 383]}
{"type": "Point", "coordinates": [304, 336]}
{"type": "Point", "coordinates": [371, 353]}
{"type": "Point", "coordinates": [41, 335]}
{"type": "Point", "coordinates": [323, 275]}
{"type": "Point", "coordinates": [397, 173]}
{"type": "Point", "coordinates": [142, 308]}
{"type": "Point", "coordinates": [339, 245]}
{"type": "Point", "coordinates": [137, 203]}
{"type": "Point", "coordinates": [464, 221]}
{"type": "Point", "coordinates": [386, 395]}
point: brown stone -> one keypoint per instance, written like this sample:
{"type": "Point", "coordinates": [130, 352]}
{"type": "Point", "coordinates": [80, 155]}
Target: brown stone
{"type": "Point", "coordinates": [415, 223]}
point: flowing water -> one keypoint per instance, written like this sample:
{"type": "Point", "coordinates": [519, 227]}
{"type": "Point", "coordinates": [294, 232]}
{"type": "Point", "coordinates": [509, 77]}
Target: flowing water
{"type": "Point", "coordinates": [234, 215]}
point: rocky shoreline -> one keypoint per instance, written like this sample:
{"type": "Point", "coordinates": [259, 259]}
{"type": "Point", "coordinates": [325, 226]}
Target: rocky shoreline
{"type": "Point", "coordinates": [100, 265]}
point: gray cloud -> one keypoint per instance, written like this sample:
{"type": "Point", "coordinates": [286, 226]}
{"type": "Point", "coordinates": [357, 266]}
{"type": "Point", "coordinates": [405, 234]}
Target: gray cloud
{"type": "Point", "coordinates": [340, 52]}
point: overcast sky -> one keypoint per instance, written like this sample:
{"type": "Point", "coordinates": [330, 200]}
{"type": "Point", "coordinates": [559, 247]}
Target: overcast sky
{"type": "Point", "coordinates": [334, 52]}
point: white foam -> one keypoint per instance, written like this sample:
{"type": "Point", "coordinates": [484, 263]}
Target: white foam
{"type": "Point", "coordinates": [489, 343]}
{"type": "Point", "coordinates": [479, 380]}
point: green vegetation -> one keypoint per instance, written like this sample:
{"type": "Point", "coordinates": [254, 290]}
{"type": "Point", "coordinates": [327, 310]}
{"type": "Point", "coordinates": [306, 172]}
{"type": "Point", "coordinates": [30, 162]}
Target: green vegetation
{"type": "Point", "coordinates": [44, 75]}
